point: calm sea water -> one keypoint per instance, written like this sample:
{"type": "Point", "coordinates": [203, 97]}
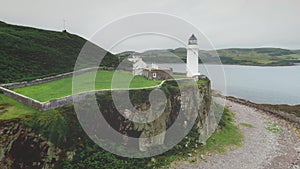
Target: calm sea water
{"type": "Point", "coordinates": [274, 85]}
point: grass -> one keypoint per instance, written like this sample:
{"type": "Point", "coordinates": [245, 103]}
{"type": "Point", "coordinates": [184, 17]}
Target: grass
{"type": "Point", "coordinates": [228, 135]}
{"type": "Point", "coordinates": [63, 87]}
{"type": "Point", "coordinates": [247, 125]}
{"type": "Point", "coordinates": [11, 109]}
{"type": "Point", "coordinates": [273, 127]}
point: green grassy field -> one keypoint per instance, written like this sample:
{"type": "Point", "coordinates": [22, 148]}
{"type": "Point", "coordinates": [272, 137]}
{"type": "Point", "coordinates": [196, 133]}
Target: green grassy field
{"type": "Point", "coordinates": [63, 87]}
{"type": "Point", "coordinates": [11, 109]}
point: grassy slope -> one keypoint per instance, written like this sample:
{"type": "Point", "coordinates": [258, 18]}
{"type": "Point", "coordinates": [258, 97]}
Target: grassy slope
{"type": "Point", "coordinates": [63, 87]}
{"type": "Point", "coordinates": [10, 108]}
{"type": "Point", "coordinates": [28, 53]}
{"type": "Point", "coordinates": [256, 56]}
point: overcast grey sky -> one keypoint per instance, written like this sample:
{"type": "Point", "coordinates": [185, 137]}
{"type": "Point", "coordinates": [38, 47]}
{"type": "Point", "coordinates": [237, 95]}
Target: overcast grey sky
{"type": "Point", "coordinates": [227, 23]}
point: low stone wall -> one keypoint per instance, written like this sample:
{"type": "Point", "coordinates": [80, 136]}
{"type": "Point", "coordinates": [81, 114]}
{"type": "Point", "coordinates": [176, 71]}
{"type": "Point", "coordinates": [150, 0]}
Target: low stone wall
{"type": "Point", "coordinates": [61, 102]}
{"type": "Point", "coordinates": [23, 99]}
{"type": "Point", "coordinates": [179, 73]}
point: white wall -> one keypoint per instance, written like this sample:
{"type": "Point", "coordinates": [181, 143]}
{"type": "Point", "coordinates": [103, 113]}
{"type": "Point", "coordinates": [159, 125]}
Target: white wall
{"type": "Point", "coordinates": [192, 61]}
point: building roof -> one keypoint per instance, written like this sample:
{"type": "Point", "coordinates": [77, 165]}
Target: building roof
{"type": "Point", "coordinates": [193, 37]}
{"type": "Point", "coordinates": [193, 40]}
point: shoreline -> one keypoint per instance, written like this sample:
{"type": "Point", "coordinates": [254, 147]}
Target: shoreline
{"type": "Point", "coordinates": [292, 118]}
{"type": "Point", "coordinates": [269, 142]}
{"type": "Point", "coordinates": [257, 65]}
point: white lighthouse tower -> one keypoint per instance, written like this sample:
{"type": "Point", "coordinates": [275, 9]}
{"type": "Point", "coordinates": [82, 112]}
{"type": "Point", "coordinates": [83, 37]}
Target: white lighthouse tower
{"type": "Point", "coordinates": [192, 57]}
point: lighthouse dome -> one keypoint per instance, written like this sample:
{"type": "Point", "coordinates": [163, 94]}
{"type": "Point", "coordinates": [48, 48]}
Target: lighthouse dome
{"type": "Point", "coordinates": [193, 40]}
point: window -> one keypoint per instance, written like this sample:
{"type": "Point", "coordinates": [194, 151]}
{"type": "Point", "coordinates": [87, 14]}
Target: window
{"type": "Point", "coordinates": [154, 75]}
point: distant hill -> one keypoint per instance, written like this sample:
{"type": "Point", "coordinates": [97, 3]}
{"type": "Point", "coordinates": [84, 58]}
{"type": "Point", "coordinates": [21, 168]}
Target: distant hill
{"type": "Point", "coordinates": [28, 53]}
{"type": "Point", "coordinates": [255, 56]}
{"type": "Point", "coordinates": [259, 56]}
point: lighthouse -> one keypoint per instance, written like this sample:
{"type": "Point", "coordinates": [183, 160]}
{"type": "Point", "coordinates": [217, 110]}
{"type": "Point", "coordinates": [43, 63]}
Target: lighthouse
{"type": "Point", "coordinates": [192, 57]}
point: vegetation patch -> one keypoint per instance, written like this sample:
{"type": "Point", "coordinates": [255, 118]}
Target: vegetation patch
{"type": "Point", "coordinates": [30, 53]}
{"type": "Point", "coordinates": [273, 127]}
{"type": "Point", "coordinates": [247, 125]}
{"type": "Point", "coordinates": [11, 109]}
{"type": "Point", "coordinates": [228, 135]}
{"type": "Point", "coordinates": [292, 109]}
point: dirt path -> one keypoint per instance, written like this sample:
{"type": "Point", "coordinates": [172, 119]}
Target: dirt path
{"type": "Point", "coordinates": [262, 148]}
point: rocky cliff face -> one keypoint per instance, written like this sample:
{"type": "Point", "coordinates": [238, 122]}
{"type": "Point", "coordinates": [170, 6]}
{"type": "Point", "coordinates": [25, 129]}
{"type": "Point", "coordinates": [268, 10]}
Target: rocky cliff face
{"type": "Point", "coordinates": [22, 146]}
{"type": "Point", "coordinates": [187, 104]}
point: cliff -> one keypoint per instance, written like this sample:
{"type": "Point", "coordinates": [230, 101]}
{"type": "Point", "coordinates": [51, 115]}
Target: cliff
{"type": "Point", "coordinates": [52, 138]}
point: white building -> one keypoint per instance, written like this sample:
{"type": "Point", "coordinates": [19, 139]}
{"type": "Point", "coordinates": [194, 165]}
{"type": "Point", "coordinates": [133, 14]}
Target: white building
{"type": "Point", "coordinates": [192, 57]}
{"type": "Point", "coordinates": [138, 65]}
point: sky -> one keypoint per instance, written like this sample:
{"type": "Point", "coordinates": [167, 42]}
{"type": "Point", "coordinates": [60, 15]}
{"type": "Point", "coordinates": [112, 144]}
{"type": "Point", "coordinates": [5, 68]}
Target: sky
{"type": "Point", "coordinates": [225, 23]}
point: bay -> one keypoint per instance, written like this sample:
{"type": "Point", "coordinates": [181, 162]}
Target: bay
{"type": "Point", "coordinates": [271, 85]}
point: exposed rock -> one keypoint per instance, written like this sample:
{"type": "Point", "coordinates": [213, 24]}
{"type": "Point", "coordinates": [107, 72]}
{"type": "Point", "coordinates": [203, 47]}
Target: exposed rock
{"type": "Point", "coordinates": [22, 148]}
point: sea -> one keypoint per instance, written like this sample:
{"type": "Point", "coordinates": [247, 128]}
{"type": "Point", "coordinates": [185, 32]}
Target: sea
{"type": "Point", "coordinates": [259, 84]}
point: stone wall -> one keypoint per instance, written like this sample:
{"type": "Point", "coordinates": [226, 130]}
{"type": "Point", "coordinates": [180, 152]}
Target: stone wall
{"type": "Point", "coordinates": [23, 99]}
{"type": "Point", "coordinates": [61, 102]}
